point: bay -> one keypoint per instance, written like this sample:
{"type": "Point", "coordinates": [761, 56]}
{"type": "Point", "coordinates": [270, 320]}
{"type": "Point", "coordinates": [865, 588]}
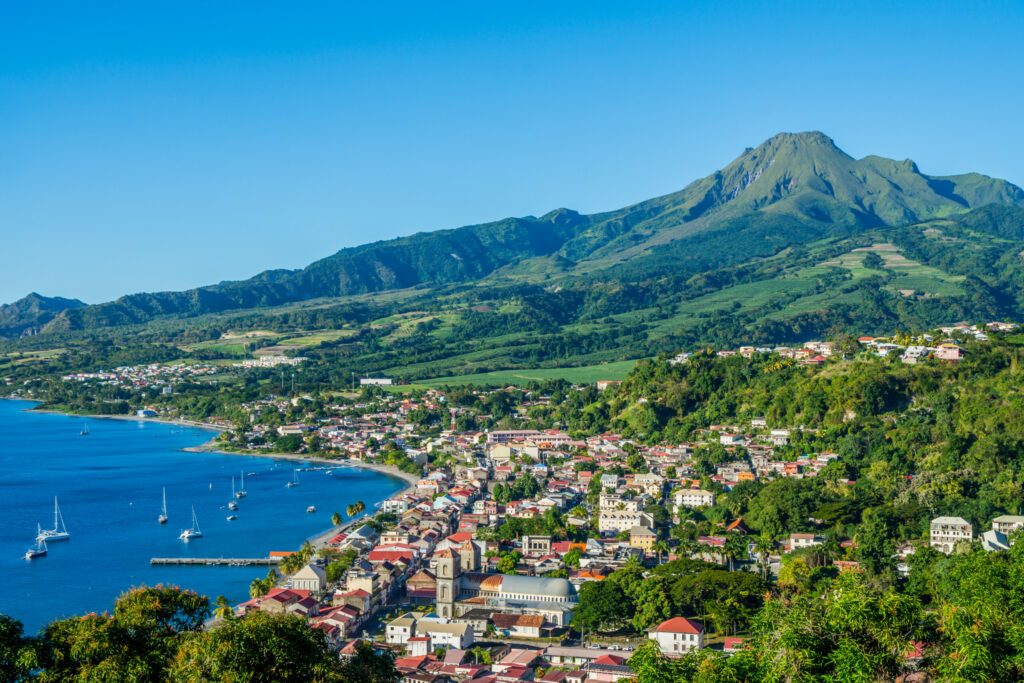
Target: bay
{"type": "Point", "coordinates": [109, 485]}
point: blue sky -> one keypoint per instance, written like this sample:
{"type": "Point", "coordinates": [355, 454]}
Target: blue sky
{"type": "Point", "coordinates": [152, 146]}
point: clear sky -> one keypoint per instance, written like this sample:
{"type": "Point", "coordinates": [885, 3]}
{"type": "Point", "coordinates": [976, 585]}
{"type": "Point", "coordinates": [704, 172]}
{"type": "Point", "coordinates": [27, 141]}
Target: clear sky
{"type": "Point", "coordinates": [149, 146]}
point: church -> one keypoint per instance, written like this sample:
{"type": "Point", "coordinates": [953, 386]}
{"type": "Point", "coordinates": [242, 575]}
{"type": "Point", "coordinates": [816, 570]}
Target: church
{"type": "Point", "coordinates": [461, 587]}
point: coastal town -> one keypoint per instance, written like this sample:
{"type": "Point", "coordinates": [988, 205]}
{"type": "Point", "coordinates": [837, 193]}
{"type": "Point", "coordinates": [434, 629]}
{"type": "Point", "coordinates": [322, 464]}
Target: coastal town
{"type": "Point", "coordinates": [485, 567]}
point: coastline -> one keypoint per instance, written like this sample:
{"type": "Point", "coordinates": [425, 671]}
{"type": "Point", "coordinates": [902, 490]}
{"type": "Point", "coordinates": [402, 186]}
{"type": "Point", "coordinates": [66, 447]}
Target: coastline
{"type": "Point", "coordinates": [319, 539]}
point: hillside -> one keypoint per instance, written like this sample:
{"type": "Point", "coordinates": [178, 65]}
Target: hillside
{"type": "Point", "coordinates": [791, 189]}
{"type": "Point", "coordinates": [31, 313]}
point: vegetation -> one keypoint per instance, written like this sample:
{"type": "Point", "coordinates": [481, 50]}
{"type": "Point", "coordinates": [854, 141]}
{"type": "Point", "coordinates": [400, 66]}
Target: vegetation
{"type": "Point", "coordinates": [156, 634]}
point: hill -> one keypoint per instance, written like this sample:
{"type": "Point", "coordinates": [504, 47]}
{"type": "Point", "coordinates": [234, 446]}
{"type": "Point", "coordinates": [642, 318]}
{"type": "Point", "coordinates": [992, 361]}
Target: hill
{"type": "Point", "coordinates": [791, 189]}
{"type": "Point", "coordinates": [30, 314]}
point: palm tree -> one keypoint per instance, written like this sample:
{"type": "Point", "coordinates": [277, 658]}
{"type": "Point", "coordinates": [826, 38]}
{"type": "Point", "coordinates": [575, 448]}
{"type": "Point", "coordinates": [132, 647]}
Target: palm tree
{"type": "Point", "coordinates": [224, 609]}
{"type": "Point", "coordinates": [764, 545]}
{"type": "Point", "coordinates": [661, 547]}
{"type": "Point", "coordinates": [257, 589]}
{"type": "Point", "coordinates": [336, 519]}
{"type": "Point", "coordinates": [736, 548]}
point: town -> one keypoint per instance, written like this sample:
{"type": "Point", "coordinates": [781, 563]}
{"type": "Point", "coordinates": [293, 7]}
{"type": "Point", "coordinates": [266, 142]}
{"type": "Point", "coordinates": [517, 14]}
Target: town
{"type": "Point", "coordinates": [492, 564]}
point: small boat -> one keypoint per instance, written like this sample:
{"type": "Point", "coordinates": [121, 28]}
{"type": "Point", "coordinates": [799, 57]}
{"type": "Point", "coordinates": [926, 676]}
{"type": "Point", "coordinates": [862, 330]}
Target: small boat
{"type": "Point", "coordinates": [241, 492]}
{"type": "Point", "coordinates": [232, 518]}
{"type": "Point", "coordinates": [40, 547]}
{"type": "Point", "coordinates": [162, 519]}
{"type": "Point", "coordinates": [85, 429]}
{"type": "Point", "coordinates": [295, 480]}
{"type": "Point", "coordinates": [311, 509]}
{"type": "Point", "coordinates": [232, 505]}
{"type": "Point", "coordinates": [194, 532]}
{"type": "Point", "coordinates": [330, 473]}
{"type": "Point", "coordinates": [59, 532]}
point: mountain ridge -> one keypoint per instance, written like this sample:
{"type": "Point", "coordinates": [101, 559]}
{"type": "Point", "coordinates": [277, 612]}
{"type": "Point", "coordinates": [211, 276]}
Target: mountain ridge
{"type": "Point", "coordinates": [791, 188]}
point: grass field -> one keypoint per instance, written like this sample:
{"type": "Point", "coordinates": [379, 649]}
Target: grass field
{"type": "Point", "coordinates": [581, 375]}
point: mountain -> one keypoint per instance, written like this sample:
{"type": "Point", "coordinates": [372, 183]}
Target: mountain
{"type": "Point", "coordinates": [29, 314]}
{"type": "Point", "coordinates": [791, 189]}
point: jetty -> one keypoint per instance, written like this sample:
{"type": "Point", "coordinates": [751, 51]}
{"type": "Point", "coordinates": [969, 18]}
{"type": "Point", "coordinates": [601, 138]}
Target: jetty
{"type": "Point", "coordinates": [216, 561]}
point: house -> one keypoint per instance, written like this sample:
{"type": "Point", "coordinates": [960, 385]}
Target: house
{"type": "Point", "coordinates": [519, 625]}
{"type": "Point", "coordinates": [536, 545]}
{"type": "Point", "coordinates": [779, 437]}
{"type": "Point", "coordinates": [797, 541]}
{"type": "Point", "coordinates": [400, 630]}
{"type": "Point", "coordinates": [949, 352]}
{"type": "Point", "coordinates": [622, 520]}
{"type": "Point", "coordinates": [447, 635]}
{"type": "Point", "coordinates": [643, 538]}
{"type": "Point", "coordinates": [994, 541]}
{"type": "Point", "coordinates": [311, 578]}
{"type": "Point", "coordinates": [678, 635]}
{"type": "Point", "coordinates": [946, 532]}
{"type": "Point", "coordinates": [1007, 524]}
{"type": "Point", "coordinates": [694, 498]}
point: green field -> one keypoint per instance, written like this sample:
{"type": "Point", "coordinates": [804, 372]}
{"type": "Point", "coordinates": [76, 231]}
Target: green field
{"type": "Point", "coordinates": [581, 375]}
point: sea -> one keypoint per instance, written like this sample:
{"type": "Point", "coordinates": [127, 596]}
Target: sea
{"type": "Point", "coordinates": [109, 485]}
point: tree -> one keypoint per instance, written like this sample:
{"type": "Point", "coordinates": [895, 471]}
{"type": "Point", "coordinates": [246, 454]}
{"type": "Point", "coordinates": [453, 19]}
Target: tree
{"type": "Point", "coordinates": [135, 643]}
{"type": "Point", "coordinates": [16, 655]}
{"type": "Point", "coordinates": [508, 562]}
{"type": "Point", "coordinates": [602, 606]}
{"type": "Point", "coordinates": [336, 519]}
{"type": "Point", "coordinates": [652, 604]}
{"type": "Point", "coordinates": [366, 665]}
{"type": "Point", "coordinates": [223, 609]}
{"type": "Point", "coordinates": [260, 648]}
{"type": "Point", "coordinates": [572, 558]}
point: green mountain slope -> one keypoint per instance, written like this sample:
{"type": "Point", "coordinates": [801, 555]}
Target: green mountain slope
{"type": "Point", "coordinates": [28, 315]}
{"type": "Point", "coordinates": [792, 189]}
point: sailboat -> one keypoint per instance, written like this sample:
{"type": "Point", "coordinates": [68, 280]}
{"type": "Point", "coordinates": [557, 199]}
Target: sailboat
{"type": "Point", "coordinates": [194, 532]}
{"type": "Point", "coordinates": [241, 492]}
{"type": "Point", "coordinates": [40, 547]}
{"type": "Point", "coordinates": [295, 480]}
{"type": "Point", "coordinates": [59, 532]}
{"type": "Point", "coordinates": [232, 505]}
{"type": "Point", "coordinates": [162, 519]}
{"type": "Point", "coordinates": [85, 429]}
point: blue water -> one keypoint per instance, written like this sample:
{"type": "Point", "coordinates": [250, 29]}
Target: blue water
{"type": "Point", "coordinates": [109, 488]}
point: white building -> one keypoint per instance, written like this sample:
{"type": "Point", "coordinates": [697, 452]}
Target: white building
{"type": "Point", "coordinates": [694, 498]}
{"type": "Point", "coordinates": [401, 629]}
{"type": "Point", "coordinates": [622, 520]}
{"type": "Point", "coordinates": [678, 635]}
{"type": "Point", "coordinates": [1007, 524]}
{"type": "Point", "coordinates": [310, 578]}
{"type": "Point", "coordinates": [946, 532]}
{"type": "Point", "coordinates": [375, 381]}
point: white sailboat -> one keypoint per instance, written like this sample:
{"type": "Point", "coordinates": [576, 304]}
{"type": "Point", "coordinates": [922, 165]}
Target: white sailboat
{"type": "Point", "coordinates": [85, 428]}
{"type": "Point", "coordinates": [59, 532]}
{"type": "Point", "coordinates": [232, 505]}
{"type": "Point", "coordinates": [241, 492]}
{"type": "Point", "coordinates": [40, 547]}
{"type": "Point", "coordinates": [295, 480]}
{"type": "Point", "coordinates": [162, 519]}
{"type": "Point", "coordinates": [194, 532]}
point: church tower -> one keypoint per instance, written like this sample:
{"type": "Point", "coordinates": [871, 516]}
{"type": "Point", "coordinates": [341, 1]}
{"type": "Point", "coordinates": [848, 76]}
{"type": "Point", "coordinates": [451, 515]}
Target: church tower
{"type": "Point", "coordinates": [449, 583]}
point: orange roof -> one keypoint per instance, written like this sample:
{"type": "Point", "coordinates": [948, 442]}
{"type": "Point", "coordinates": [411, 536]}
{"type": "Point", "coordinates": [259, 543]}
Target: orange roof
{"type": "Point", "coordinates": [680, 625]}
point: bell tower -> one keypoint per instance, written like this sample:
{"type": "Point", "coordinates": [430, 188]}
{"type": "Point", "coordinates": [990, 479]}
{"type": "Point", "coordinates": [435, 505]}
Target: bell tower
{"type": "Point", "coordinates": [449, 573]}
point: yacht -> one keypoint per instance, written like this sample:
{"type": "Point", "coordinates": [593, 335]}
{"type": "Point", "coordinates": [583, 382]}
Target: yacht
{"type": "Point", "coordinates": [59, 532]}
{"type": "Point", "coordinates": [194, 532]}
{"type": "Point", "coordinates": [162, 518]}
{"type": "Point", "coordinates": [311, 509]}
{"type": "Point", "coordinates": [40, 547]}
{"type": "Point", "coordinates": [241, 492]}
{"type": "Point", "coordinates": [295, 480]}
{"type": "Point", "coordinates": [232, 518]}
{"type": "Point", "coordinates": [85, 429]}
{"type": "Point", "coordinates": [232, 505]}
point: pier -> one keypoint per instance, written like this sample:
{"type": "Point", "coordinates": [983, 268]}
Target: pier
{"type": "Point", "coordinates": [217, 561]}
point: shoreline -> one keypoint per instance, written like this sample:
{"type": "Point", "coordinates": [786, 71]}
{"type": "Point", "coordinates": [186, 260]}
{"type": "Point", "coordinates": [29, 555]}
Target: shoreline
{"type": "Point", "coordinates": [318, 539]}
